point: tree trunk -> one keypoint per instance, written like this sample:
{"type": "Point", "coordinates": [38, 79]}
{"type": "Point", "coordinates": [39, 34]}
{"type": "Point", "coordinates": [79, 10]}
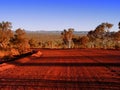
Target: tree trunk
{"type": "Point", "coordinates": [69, 43]}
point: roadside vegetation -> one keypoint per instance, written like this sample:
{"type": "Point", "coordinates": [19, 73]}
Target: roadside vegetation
{"type": "Point", "coordinates": [19, 41]}
{"type": "Point", "coordinates": [12, 43]}
{"type": "Point", "coordinates": [101, 37]}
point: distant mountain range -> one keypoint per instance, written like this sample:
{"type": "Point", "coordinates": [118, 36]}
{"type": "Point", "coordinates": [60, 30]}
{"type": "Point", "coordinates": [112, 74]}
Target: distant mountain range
{"type": "Point", "coordinates": [56, 32]}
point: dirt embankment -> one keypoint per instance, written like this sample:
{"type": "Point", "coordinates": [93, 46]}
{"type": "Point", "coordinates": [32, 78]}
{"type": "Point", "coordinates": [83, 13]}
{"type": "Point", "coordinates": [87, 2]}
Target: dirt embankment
{"type": "Point", "coordinates": [37, 54]}
{"type": "Point", "coordinates": [4, 65]}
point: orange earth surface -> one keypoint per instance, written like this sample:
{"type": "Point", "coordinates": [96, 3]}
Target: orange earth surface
{"type": "Point", "coordinates": [63, 69]}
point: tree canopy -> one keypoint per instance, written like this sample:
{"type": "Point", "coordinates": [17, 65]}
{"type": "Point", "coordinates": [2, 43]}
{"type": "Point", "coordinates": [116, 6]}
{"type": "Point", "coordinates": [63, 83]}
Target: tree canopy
{"type": "Point", "coordinates": [5, 34]}
{"type": "Point", "coordinates": [67, 36]}
{"type": "Point", "coordinates": [10, 39]}
{"type": "Point", "coordinates": [100, 31]}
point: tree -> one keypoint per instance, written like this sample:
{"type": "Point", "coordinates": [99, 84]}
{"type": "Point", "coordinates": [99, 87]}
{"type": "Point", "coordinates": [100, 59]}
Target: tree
{"type": "Point", "coordinates": [117, 36]}
{"type": "Point", "coordinates": [67, 36]}
{"type": "Point", "coordinates": [119, 25]}
{"type": "Point", "coordinates": [33, 43]}
{"type": "Point", "coordinates": [102, 29]}
{"type": "Point", "coordinates": [20, 41]}
{"type": "Point", "coordinates": [107, 26]}
{"type": "Point", "coordinates": [91, 35]}
{"type": "Point", "coordinates": [5, 34]}
{"type": "Point", "coordinates": [101, 33]}
{"type": "Point", "coordinates": [84, 40]}
{"type": "Point", "coordinates": [117, 39]}
{"type": "Point", "coordinates": [5, 25]}
{"type": "Point", "coordinates": [76, 42]}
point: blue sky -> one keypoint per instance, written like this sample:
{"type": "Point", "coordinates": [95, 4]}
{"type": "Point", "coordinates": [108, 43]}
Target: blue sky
{"type": "Point", "coordinates": [82, 15]}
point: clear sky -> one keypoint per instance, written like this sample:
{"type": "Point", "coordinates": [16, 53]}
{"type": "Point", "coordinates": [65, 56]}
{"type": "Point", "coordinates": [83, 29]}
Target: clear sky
{"type": "Point", "coordinates": [82, 15]}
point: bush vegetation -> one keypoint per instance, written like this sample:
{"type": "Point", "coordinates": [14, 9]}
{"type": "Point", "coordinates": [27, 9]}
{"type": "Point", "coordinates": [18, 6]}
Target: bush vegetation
{"type": "Point", "coordinates": [12, 42]}
{"type": "Point", "coordinates": [101, 37]}
{"type": "Point", "coordinates": [19, 41]}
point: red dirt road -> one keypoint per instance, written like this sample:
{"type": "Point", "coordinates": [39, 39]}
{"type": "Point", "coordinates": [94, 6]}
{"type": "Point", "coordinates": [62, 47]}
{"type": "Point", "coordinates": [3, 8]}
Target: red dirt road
{"type": "Point", "coordinates": [70, 69]}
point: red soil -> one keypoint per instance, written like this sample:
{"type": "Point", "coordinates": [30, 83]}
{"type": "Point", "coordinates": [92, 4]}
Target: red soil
{"type": "Point", "coordinates": [38, 54]}
{"type": "Point", "coordinates": [70, 69]}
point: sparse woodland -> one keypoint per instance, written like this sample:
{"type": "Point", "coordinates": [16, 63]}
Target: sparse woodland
{"type": "Point", "coordinates": [12, 42]}
{"type": "Point", "coordinates": [101, 38]}
{"type": "Point", "coordinates": [19, 41]}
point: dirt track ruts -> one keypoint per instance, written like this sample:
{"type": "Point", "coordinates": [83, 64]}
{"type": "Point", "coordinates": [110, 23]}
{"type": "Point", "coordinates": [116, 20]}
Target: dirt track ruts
{"type": "Point", "coordinates": [70, 69]}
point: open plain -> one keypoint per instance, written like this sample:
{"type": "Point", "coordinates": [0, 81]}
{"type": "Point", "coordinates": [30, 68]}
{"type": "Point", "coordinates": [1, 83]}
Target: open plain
{"type": "Point", "coordinates": [64, 69]}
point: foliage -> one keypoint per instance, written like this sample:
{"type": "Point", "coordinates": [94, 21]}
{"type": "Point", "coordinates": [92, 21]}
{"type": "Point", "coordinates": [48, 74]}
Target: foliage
{"type": "Point", "coordinates": [33, 42]}
{"type": "Point", "coordinates": [117, 39]}
{"type": "Point", "coordinates": [12, 43]}
{"type": "Point", "coordinates": [100, 32]}
{"type": "Point", "coordinates": [20, 41]}
{"type": "Point", "coordinates": [84, 40]}
{"type": "Point", "coordinates": [119, 25]}
{"type": "Point", "coordinates": [117, 36]}
{"type": "Point", "coordinates": [5, 34]}
{"type": "Point", "coordinates": [67, 36]}
{"type": "Point", "coordinates": [101, 35]}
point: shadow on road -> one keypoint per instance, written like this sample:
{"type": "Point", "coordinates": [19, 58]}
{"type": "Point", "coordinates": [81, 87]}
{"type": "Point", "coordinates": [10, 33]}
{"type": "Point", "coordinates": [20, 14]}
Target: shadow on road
{"type": "Point", "coordinates": [75, 64]}
{"type": "Point", "coordinates": [104, 60]}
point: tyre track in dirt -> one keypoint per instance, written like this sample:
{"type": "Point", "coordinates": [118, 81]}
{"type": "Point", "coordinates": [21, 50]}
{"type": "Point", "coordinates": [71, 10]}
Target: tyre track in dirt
{"type": "Point", "coordinates": [111, 61]}
{"type": "Point", "coordinates": [61, 70]}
